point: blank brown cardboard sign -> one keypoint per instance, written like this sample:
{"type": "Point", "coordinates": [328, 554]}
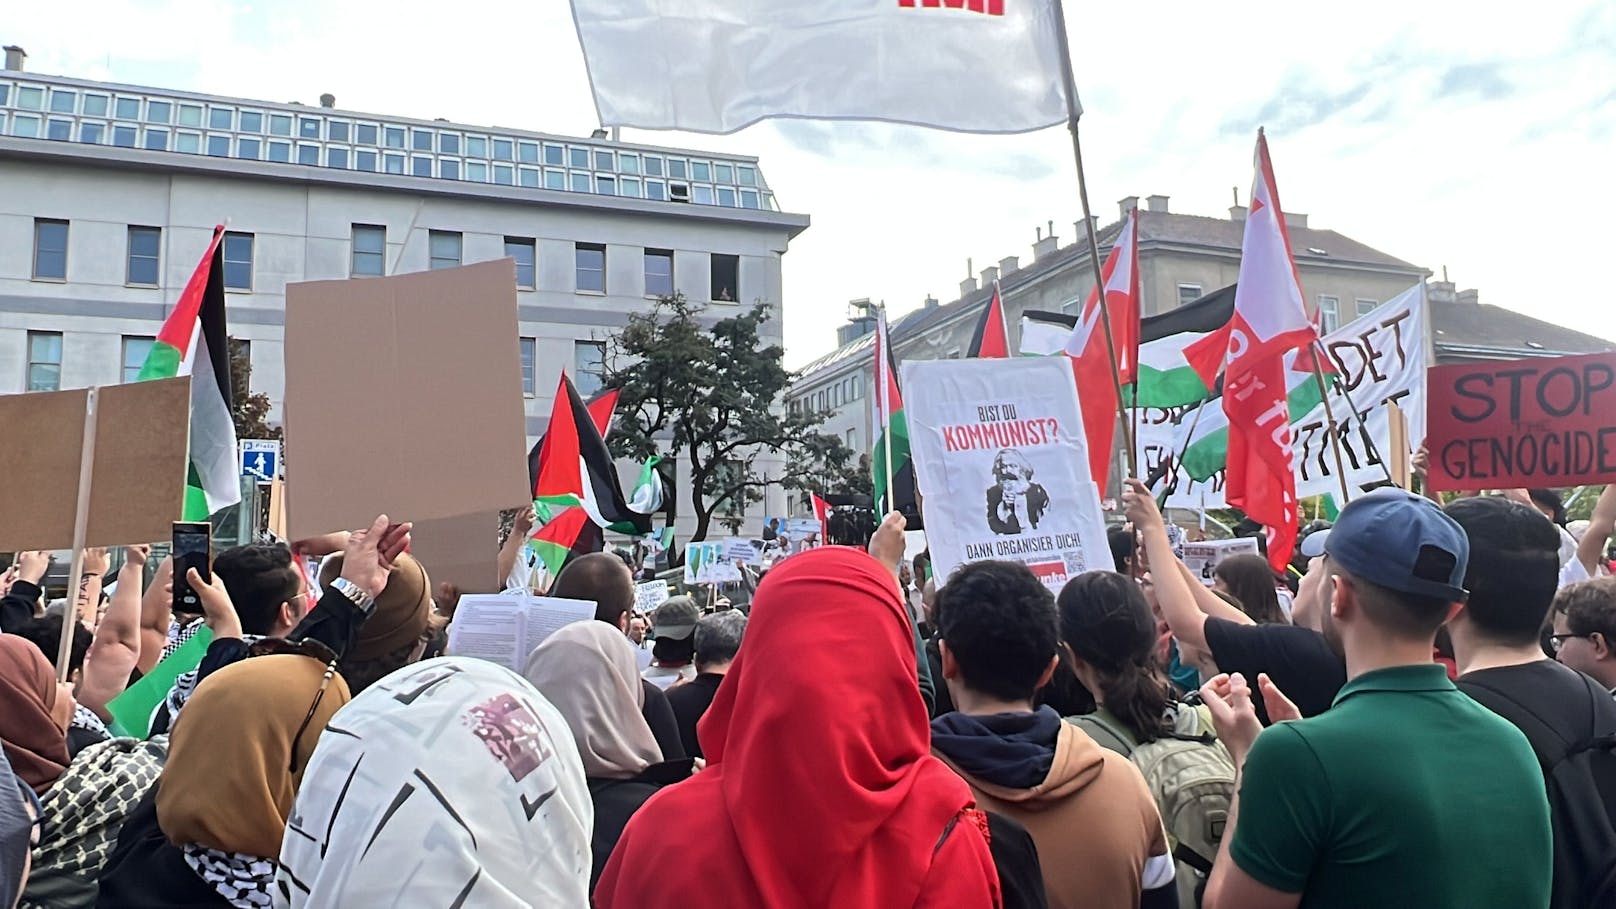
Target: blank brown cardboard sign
{"type": "Point", "coordinates": [463, 551]}
{"type": "Point", "coordinates": [404, 396]}
{"type": "Point", "coordinates": [137, 481]}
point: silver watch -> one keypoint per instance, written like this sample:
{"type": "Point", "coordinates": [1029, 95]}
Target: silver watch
{"type": "Point", "coordinates": [362, 601]}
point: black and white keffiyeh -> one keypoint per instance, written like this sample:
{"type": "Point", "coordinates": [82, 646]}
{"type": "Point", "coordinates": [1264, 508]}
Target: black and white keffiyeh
{"type": "Point", "coordinates": [243, 880]}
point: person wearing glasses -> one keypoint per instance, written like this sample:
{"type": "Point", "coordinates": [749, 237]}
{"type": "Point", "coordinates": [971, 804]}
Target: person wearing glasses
{"type": "Point", "coordinates": [1584, 635]}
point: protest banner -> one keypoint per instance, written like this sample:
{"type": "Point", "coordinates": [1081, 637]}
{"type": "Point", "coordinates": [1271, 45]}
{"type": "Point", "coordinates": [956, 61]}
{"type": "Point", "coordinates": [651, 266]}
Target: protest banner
{"type": "Point", "coordinates": [650, 594]}
{"type": "Point", "coordinates": [421, 373]}
{"type": "Point", "coordinates": [739, 549]}
{"type": "Point", "coordinates": [504, 628]}
{"type": "Point", "coordinates": [709, 563]}
{"type": "Point", "coordinates": [1000, 442]}
{"type": "Point", "coordinates": [1531, 423]}
{"type": "Point", "coordinates": [1202, 558]}
{"type": "Point", "coordinates": [463, 551]}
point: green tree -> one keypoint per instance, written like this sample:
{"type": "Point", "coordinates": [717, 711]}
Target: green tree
{"type": "Point", "coordinates": [248, 410]}
{"type": "Point", "coordinates": [711, 397]}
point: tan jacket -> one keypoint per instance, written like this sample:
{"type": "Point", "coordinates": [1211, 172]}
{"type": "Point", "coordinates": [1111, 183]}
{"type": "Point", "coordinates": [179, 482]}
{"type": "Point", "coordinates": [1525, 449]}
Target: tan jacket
{"type": "Point", "coordinates": [1092, 819]}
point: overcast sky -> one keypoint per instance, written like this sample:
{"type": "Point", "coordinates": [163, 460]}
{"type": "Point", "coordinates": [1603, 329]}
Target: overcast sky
{"type": "Point", "coordinates": [1476, 136]}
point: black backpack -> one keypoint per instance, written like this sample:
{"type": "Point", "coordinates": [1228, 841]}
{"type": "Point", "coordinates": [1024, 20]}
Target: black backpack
{"type": "Point", "coordinates": [1580, 775]}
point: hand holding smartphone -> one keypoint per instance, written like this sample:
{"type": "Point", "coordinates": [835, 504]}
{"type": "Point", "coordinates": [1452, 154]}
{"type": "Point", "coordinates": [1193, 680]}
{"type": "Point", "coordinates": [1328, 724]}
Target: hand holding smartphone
{"type": "Point", "coordinates": [193, 548]}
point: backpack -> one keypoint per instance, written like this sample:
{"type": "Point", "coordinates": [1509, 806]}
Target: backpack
{"type": "Point", "coordinates": [1580, 776]}
{"type": "Point", "coordinates": [1191, 777]}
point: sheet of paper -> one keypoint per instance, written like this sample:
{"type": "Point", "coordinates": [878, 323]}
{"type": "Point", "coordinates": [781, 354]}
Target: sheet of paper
{"type": "Point", "coordinates": [488, 627]}
{"type": "Point", "coordinates": [545, 615]}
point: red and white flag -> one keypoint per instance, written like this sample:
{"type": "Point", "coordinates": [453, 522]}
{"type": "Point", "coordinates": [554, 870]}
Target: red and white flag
{"type": "Point", "coordinates": [1269, 321]}
{"type": "Point", "coordinates": [822, 515]}
{"type": "Point", "coordinates": [1091, 358]}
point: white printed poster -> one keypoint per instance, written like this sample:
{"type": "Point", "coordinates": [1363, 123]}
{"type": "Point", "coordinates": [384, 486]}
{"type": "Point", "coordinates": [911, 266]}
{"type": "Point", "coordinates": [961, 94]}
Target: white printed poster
{"type": "Point", "coordinates": [650, 594]}
{"type": "Point", "coordinates": [1203, 558]}
{"type": "Point", "coordinates": [1002, 466]}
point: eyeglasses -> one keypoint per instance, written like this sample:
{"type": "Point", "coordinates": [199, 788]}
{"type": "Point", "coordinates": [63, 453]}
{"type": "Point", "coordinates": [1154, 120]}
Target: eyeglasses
{"type": "Point", "coordinates": [1556, 641]}
{"type": "Point", "coordinates": [314, 650]}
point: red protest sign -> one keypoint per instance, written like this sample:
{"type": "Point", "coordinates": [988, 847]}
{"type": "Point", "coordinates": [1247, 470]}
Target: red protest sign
{"type": "Point", "coordinates": [1547, 422]}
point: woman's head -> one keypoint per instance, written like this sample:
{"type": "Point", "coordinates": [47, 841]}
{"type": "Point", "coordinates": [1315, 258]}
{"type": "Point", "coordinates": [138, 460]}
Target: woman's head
{"type": "Point", "coordinates": [34, 713]}
{"type": "Point", "coordinates": [239, 750]}
{"type": "Point", "coordinates": [1108, 626]}
{"type": "Point", "coordinates": [1250, 581]}
{"type": "Point", "coordinates": [589, 672]}
{"type": "Point", "coordinates": [499, 796]}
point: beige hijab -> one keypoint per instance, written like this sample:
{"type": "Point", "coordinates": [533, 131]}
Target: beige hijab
{"type": "Point", "coordinates": [588, 671]}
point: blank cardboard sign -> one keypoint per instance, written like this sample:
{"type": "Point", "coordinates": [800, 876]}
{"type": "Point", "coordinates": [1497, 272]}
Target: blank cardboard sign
{"type": "Point", "coordinates": [463, 551]}
{"type": "Point", "coordinates": [137, 483]}
{"type": "Point", "coordinates": [404, 396]}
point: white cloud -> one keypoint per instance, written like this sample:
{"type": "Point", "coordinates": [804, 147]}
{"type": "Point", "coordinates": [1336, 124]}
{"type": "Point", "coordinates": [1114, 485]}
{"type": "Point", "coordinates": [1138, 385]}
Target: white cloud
{"type": "Point", "coordinates": [1444, 134]}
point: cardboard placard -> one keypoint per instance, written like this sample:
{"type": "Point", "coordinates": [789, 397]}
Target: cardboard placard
{"type": "Point", "coordinates": [138, 479]}
{"type": "Point", "coordinates": [404, 396]}
{"type": "Point", "coordinates": [650, 594]}
{"type": "Point", "coordinates": [464, 551]}
{"type": "Point", "coordinates": [1531, 423]}
{"type": "Point", "coordinates": [1202, 558]}
{"type": "Point", "coordinates": [1399, 462]}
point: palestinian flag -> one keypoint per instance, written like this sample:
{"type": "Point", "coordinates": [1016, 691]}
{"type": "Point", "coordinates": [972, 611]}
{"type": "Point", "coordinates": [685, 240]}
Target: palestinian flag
{"type": "Point", "coordinates": [192, 342]}
{"type": "Point", "coordinates": [891, 423]}
{"type": "Point", "coordinates": [602, 407]}
{"type": "Point", "coordinates": [990, 340]}
{"type": "Point", "coordinates": [565, 535]}
{"type": "Point", "coordinates": [575, 469]}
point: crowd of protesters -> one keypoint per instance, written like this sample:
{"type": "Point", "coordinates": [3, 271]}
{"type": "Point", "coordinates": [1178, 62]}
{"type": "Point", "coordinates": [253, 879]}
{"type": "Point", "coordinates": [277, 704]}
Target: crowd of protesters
{"type": "Point", "coordinates": [1421, 712]}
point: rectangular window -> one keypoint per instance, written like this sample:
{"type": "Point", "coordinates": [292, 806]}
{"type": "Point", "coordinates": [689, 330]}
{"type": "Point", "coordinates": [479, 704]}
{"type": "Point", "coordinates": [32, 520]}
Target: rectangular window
{"type": "Point", "coordinates": [504, 174]}
{"type": "Point", "coordinates": [248, 149]}
{"type": "Point", "coordinates": [365, 160]}
{"type": "Point", "coordinates": [1329, 313]}
{"type": "Point", "coordinates": [421, 140]}
{"type": "Point", "coordinates": [238, 261]}
{"type": "Point", "coordinates": [527, 152]}
{"type": "Point", "coordinates": [659, 272]}
{"type": "Point", "coordinates": [135, 349]}
{"type": "Point", "coordinates": [279, 152]}
{"type": "Point", "coordinates": [61, 130]}
{"type": "Point", "coordinates": [523, 250]}
{"type": "Point", "coordinates": [504, 150]}
{"type": "Point", "coordinates": [726, 278]}
{"type": "Point", "coordinates": [449, 169]}
{"type": "Point", "coordinates": [190, 114]}
{"type": "Point", "coordinates": [554, 155]}
{"type": "Point", "coordinates": [726, 197]}
{"type": "Point", "coordinates": [553, 179]}
{"type": "Point", "coordinates": [723, 173]}
{"type": "Point", "coordinates": [125, 109]}
{"type": "Point", "coordinates": [92, 132]}
{"type": "Point", "coordinates": [580, 181]}
{"type": "Point", "coordinates": [701, 195]}
{"type": "Point", "coordinates": [144, 246]}
{"type": "Point", "coordinates": [44, 361]}
{"type": "Point", "coordinates": [369, 251]}
{"type": "Point", "coordinates": [280, 124]}
{"type": "Point", "coordinates": [393, 164]}
{"type": "Point", "coordinates": [336, 157]}
{"type": "Point", "coordinates": [444, 248]}
{"type": "Point", "coordinates": [653, 166]}
{"type": "Point", "coordinates": [308, 128]}
{"type": "Point", "coordinates": [604, 161]}
{"type": "Point", "coordinates": [156, 111]}
{"type": "Point", "coordinates": [1188, 293]}
{"type": "Point", "coordinates": [306, 153]}
{"type": "Point", "coordinates": [477, 171]}
{"type": "Point", "coordinates": [157, 139]}
{"type": "Point", "coordinates": [852, 439]}
{"type": "Point", "coordinates": [676, 168]}
{"type": "Point", "coordinates": [578, 157]}
{"type": "Point", "coordinates": [421, 166]}
{"type": "Point", "coordinates": [530, 384]}
{"type": "Point", "coordinates": [189, 143]}
{"type": "Point", "coordinates": [365, 134]}
{"type": "Point", "coordinates": [1365, 307]}
{"type": "Point", "coordinates": [337, 130]}
{"type": "Point", "coordinates": [122, 136]}
{"type": "Point", "coordinates": [50, 250]}
{"type": "Point", "coordinates": [252, 121]}
{"type": "Point", "coordinates": [394, 136]}
{"type": "Point", "coordinates": [747, 175]}
{"type": "Point", "coordinates": [449, 143]}
{"type": "Point", "coordinates": [94, 105]}
{"type": "Point", "coordinates": [591, 267]}
{"type": "Point", "coordinates": [221, 117]}
{"type": "Point", "coordinates": [699, 170]}
{"type": "Point", "coordinates": [588, 367]}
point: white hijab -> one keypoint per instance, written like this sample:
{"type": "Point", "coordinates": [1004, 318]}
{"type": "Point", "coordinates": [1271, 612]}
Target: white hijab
{"type": "Point", "coordinates": [448, 782]}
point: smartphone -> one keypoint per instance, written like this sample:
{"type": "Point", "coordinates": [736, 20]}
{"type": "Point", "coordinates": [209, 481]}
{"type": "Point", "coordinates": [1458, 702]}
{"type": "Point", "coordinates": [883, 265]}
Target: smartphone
{"type": "Point", "coordinates": [193, 548]}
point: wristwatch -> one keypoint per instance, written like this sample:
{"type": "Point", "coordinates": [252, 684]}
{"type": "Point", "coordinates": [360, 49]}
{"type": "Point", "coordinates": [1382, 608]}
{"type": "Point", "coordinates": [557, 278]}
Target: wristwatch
{"type": "Point", "coordinates": [362, 601]}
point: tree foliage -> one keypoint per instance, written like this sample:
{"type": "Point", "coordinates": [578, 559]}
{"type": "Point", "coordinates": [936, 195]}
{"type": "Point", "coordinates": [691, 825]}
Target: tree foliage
{"type": "Point", "coordinates": [711, 396]}
{"type": "Point", "coordinates": [248, 410]}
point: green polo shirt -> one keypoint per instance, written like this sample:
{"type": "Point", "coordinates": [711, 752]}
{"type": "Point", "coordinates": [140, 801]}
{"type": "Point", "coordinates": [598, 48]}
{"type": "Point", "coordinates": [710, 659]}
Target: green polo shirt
{"type": "Point", "coordinates": [1405, 793]}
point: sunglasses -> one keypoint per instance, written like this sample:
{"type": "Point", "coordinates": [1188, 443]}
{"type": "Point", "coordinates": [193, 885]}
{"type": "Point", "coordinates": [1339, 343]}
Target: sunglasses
{"type": "Point", "coordinates": [314, 650]}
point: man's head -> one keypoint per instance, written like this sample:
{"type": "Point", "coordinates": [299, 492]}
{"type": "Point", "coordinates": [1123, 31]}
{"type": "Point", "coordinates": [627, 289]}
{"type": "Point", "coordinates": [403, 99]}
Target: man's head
{"type": "Point", "coordinates": [999, 631]}
{"type": "Point", "coordinates": [636, 628]}
{"type": "Point", "coordinates": [906, 577]}
{"type": "Point", "coordinates": [718, 639]}
{"type": "Point", "coordinates": [1585, 628]}
{"type": "Point", "coordinates": [1549, 503]}
{"type": "Point", "coordinates": [1123, 544]}
{"type": "Point", "coordinates": [675, 623]}
{"type": "Point", "coordinates": [46, 633]}
{"type": "Point", "coordinates": [603, 578]}
{"type": "Point", "coordinates": [1396, 568]}
{"type": "Point", "coordinates": [1514, 570]}
{"type": "Point", "coordinates": [268, 591]}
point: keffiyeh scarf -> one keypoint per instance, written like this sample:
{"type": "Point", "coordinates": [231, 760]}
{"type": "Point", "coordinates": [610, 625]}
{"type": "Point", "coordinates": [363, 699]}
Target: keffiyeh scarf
{"type": "Point", "coordinates": [243, 880]}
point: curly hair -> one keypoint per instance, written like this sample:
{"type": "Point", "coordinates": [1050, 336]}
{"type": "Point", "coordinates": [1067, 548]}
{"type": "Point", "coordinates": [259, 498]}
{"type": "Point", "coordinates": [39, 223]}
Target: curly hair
{"type": "Point", "coordinates": [999, 623]}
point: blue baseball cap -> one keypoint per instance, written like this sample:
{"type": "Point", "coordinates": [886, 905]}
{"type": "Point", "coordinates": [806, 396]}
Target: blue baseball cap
{"type": "Point", "coordinates": [1402, 542]}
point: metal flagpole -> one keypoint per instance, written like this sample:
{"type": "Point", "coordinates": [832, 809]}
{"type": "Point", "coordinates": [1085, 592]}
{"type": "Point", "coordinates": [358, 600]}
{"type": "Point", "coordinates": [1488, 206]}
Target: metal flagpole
{"type": "Point", "coordinates": [883, 368]}
{"type": "Point", "coordinates": [1074, 111]}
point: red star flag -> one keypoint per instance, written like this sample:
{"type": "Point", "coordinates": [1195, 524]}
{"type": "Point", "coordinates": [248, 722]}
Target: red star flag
{"type": "Point", "coordinates": [716, 66]}
{"type": "Point", "coordinates": [1269, 321]}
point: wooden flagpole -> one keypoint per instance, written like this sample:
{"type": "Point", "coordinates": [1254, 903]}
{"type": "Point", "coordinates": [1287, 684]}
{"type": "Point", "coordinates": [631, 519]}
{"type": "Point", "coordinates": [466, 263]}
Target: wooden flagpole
{"type": "Point", "coordinates": [1360, 415]}
{"type": "Point", "coordinates": [1333, 431]}
{"type": "Point", "coordinates": [1074, 111]}
{"type": "Point", "coordinates": [81, 526]}
{"type": "Point", "coordinates": [883, 367]}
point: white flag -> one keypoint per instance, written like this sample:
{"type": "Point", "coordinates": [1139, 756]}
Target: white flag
{"type": "Point", "coordinates": [716, 66]}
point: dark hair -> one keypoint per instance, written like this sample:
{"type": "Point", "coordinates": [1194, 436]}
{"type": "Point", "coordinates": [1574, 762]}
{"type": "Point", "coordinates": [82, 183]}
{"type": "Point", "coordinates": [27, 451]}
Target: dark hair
{"type": "Point", "coordinates": [601, 577]}
{"type": "Point", "coordinates": [999, 622]}
{"type": "Point", "coordinates": [1123, 545]}
{"type": "Point", "coordinates": [1105, 620]}
{"type": "Point", "coordinates": [1514, 566]}
{"type": "Point", "coordinates": [1407, 615]}
{"type": "Point", "coordinates": [1251, 582]}
{"type": "Point", "coordinates": [674, 650]}
{"type": "Point", "coordinates": [1590, 606]}
{"type": "Point", "coordinates": [1550, 500]}
{"type": "Point", "coordinates": [46, 633]}
{"type": "Point", "coordinates": [259, 577]}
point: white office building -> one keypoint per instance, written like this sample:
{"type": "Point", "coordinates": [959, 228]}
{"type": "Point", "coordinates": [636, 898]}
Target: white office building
{"type": "Point", "coordinates": [108, 194]}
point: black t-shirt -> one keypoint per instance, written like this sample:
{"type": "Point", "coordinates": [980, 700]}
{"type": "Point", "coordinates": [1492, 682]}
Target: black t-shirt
{"type": "Point", "coordinates": [1550, 691]}
{"type": "Point", "coordinates": [1298, 659]}
{"type": "Point", "coordinates": [690, 702]}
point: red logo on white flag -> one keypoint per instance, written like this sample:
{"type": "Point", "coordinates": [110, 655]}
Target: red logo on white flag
{"type": "Point", "coordinates": [990, 7]}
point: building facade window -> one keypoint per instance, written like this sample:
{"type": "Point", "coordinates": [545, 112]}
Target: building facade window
{"type": "Point", "coordinates": [524, 251]}
{"type": "Point", "coordinates": [1188, 293]}
{"type": "Point", "coordinates": [1365, 306]}
{"type": "Point", "coordinates": [1329, 313]}
{"type": "Point", "coordinates": [529, 366]}
{"type": "Point", "coordinates": [238, 261]}
{"type": "Point", "coordinates": [590, 259]}
{"type": "Point", "coordinates": [659, 273]}
{"type": "Point", "coordinates": [145, 245]}
{"type": "Point", "coordinates": [44, 360]}
{"type": "Point", "coordinates": [135, 349]}
{"type": "Point", "coordinates": [589, 367]}
{"type": "Point", "coordinates": [726, 278]}
{"type": "Point", "coordinates": [444, 249]}
{"type": "Point", "coordinates": [50, 250]}
{"type": "Point", "coordinates": [241, 349]}
{"type": "Point", "coordinates": [852, 439]}
{"type": "Point", "coordinates": [369, 251]}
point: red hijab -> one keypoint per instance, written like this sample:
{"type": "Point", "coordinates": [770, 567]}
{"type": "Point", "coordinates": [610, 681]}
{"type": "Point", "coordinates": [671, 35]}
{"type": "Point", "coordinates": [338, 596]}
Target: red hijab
{"type": "Point", "coordinates": [820, 789]}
